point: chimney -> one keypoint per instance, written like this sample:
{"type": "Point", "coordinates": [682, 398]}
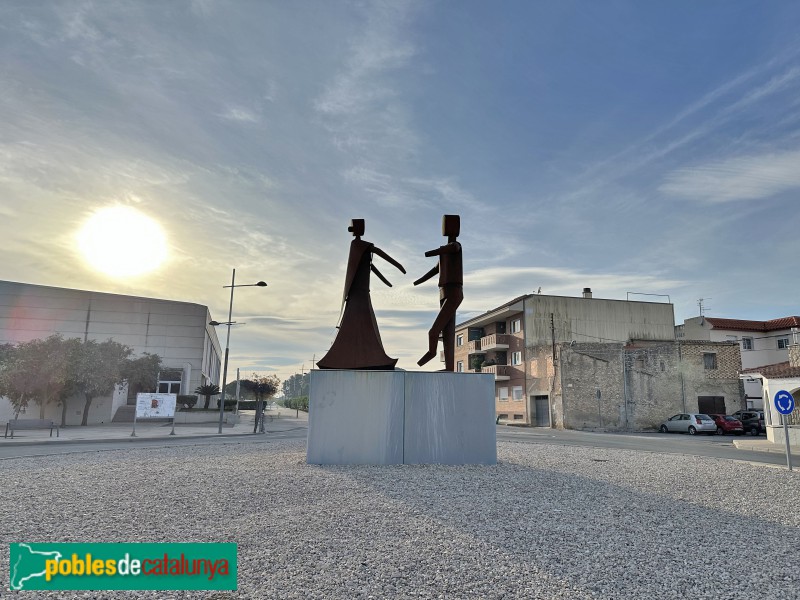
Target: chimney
{"type": "Point", "coordinates": [587, 292]}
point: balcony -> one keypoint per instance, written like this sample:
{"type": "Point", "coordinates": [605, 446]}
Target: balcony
{"type": "Point", "coordinates": [496, 341]}
{"type": "Point", "coordinates": [474, 347]}
{"type": "Point", "coordinates": [501, 372]}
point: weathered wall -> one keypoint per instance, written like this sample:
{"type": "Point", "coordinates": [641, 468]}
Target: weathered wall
{"type": "Point", "coordinates": [595, 320]}
{"type": "Point", "coordinates": [722, 381]}
{"type": "Point", "coordinates": [641, 383]}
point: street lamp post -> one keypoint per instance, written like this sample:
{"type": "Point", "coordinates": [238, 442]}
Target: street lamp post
{"type": "Point", "coordinates": [228, 341]}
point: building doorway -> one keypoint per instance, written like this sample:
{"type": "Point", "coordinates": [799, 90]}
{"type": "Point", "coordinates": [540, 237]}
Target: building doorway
{"type": "Point", "coordinates": [541, 411]}
{"type": "Point", "coordinates": [711, 405]}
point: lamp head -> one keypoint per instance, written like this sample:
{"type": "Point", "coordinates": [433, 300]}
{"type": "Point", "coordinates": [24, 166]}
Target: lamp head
{"type": "Point", "coordinates": [262, 284]}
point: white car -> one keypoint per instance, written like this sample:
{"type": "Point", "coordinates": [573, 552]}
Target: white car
{"type": "Point", "coordinates": [690, 423]}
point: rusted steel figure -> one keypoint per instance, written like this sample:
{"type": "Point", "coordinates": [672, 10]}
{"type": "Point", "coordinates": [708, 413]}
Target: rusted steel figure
{"type": "Point", "coordinates": [451, 293]}
{"type": "Point", "coordinates": [358, 343]}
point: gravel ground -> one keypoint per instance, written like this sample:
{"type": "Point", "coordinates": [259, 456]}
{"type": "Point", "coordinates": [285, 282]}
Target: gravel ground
{"type": "Point", "coordinates": [545, 522]}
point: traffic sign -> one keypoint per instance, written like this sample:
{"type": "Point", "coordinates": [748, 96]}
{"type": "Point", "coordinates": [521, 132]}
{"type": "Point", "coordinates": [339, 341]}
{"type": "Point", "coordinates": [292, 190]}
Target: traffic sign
{"type": "Point", "coordinates": [784, 402]}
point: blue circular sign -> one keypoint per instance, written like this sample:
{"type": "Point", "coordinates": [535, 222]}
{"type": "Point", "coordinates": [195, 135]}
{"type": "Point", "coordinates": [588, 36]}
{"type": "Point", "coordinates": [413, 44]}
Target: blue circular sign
{"type": "Point", "coordinates": [784, 402]}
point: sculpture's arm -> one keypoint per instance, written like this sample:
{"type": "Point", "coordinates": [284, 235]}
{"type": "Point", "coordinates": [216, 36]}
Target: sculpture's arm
{"type": "Point", "coordinates": [379, 274]}
{"type": "Point", "coordinates": [450, 248]}
{"type": "Point", "coordinates": [387, 258]}
{"type": "Point", "coordinates": [428, 275]}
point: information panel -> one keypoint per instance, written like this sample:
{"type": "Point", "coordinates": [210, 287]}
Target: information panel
{"type": "Point", "coordinates": [152, 406]}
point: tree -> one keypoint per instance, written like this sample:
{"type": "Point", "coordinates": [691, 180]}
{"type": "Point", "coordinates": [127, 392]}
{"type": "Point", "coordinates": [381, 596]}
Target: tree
{"type": "Point", "coordinates": [262, 387]}
{"type": "Point", "coordinates": [15, 384]}
{"type": "Point", "coordinates": [38, 370]}
{"type": "Point", "coordinates": [141, 373]}
{"type": "Point", "coordinates": [296, 385]}
{"type": "Point", "coordinates": [98, 369]}
{"type": "Point", "coordinates": [208, 390]}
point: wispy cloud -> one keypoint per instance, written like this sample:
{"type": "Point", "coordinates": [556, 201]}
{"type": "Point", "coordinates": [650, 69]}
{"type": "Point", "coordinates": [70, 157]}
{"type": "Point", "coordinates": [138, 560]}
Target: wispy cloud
{"type": "Point", "coordinates": [238, 113]}
{"type": "Point", "coordinates": [742, 178]}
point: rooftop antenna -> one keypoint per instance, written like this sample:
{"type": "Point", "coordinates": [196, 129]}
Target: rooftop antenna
{"type": "Point", "coordinates": [700, 304]}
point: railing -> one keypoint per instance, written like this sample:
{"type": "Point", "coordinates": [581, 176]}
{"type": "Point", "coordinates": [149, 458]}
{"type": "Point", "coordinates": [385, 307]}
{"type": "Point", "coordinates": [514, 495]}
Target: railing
{"type": "Point", "coordinates": [496, 339]}
{"type": "Point", "coordinates": [497, 370]}
{"type": "Point", "coordinates": [474, 347]}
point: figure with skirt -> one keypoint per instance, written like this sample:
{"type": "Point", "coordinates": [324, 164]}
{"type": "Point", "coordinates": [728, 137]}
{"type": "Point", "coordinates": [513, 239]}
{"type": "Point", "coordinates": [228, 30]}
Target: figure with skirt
{"type": "Point", "coordinates": [358, 342]}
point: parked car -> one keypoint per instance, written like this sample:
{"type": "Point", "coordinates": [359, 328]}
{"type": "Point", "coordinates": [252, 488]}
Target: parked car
{"type": "Point", "coordinates": [690, 423]}
{"type": "Point", "coordinates": [728, 424]}
{"type": "Point", "coordinates": [752, 420]}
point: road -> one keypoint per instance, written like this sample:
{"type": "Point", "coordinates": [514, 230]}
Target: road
{"type": "Point", "coordinates": [712, 446]}
{"type": "Point", "coordinates": [708, 446]}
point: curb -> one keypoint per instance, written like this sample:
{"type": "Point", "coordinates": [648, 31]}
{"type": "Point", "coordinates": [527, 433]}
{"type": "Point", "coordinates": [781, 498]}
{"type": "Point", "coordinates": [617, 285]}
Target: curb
{"type": "Point", "coordinates": [129, 438]}
{"type": "Point", "coordinates": [772, 448]}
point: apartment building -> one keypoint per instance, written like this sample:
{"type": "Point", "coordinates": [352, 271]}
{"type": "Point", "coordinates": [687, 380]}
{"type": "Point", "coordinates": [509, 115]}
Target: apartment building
{"type": "Point", "coordinates": [520, 342]}
{"type": "Point", "coordinates": [179, 332]}
{"type": "Point", "coordinates": [762, 343]}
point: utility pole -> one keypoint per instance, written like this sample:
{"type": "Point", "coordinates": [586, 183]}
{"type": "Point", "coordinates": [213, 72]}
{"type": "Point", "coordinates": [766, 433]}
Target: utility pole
{"type": "Point", "coordinates": [297, 406]}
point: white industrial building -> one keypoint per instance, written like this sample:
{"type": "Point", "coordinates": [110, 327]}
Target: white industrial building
{"type": "Point", "coordinates": [179, 332]}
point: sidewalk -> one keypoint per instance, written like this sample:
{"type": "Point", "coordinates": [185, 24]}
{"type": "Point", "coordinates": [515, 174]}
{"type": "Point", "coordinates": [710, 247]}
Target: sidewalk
{"type": "Point", "coordinates": [277, 420]}
{"type": "Point", "coordinates": [759, 444]}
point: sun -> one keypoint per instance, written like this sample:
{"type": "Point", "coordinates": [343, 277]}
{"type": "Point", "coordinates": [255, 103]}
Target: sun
{"type": "Point", "coordinates": [122, 242]}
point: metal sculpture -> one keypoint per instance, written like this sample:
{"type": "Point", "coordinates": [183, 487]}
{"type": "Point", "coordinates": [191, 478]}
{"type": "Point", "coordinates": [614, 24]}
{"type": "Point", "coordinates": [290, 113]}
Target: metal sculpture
{"type": "Point", "coordinates": [358, 342]}
{"type": "Point", "coordinates": [451, 292]}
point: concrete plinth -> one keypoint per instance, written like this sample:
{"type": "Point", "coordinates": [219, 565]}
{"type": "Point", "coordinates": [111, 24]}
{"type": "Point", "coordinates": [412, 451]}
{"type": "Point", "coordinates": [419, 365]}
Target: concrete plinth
{"type": "Point", "coordinates": [398, 417]}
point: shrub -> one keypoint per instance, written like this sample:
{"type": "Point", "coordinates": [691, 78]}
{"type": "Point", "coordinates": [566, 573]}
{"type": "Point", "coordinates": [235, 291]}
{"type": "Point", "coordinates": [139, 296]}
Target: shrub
{"type": "Point", "coordinates": [187, 401]}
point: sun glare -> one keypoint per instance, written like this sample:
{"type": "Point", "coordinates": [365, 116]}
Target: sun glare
{"type": "Point", "coordinates": [122, 242]}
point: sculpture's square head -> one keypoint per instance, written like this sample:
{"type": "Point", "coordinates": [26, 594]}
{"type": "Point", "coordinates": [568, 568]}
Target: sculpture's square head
{"type": "Point", "coordinates": [451, 225]}
{"type": "Point", "coordinates": [356, 227]}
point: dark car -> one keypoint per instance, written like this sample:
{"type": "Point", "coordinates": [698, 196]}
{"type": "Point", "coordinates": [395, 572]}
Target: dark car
{"type": "Point", "coordinates": [727, 424]}
{"type": "Point", "coordinates": [752, 420]}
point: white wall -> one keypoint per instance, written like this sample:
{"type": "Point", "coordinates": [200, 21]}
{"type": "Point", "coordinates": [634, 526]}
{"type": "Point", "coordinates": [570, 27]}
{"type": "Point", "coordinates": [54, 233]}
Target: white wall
{"type": "Point", "coordinates": [177, 331]}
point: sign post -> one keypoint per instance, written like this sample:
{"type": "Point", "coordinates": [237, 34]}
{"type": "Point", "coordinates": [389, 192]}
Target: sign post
{"type": "Point", "coordinates": [155, 406]}
{"type": "Point", "coordinates": [784, 404]}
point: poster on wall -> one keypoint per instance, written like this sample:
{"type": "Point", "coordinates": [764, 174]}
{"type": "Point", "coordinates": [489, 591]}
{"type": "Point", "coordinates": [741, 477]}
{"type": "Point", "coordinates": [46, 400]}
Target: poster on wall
{"type": "Point", "coordinates": [152, 406]}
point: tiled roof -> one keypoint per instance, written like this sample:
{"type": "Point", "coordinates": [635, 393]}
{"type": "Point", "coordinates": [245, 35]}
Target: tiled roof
{"type": "Point", "coordinates": [743, 325]}
{"type": "Point", "coordinates": [777, 371]}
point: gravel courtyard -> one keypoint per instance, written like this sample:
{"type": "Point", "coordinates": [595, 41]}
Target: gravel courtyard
{"type": "Point", "coordinates": [545, 522]}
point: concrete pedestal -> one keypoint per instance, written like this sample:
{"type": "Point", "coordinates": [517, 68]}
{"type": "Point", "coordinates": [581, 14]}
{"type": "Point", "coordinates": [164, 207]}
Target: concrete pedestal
{"type": "Point", "coordinates": [399, 417]}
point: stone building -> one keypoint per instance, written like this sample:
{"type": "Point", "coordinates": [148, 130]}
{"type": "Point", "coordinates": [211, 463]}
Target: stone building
{"type": "Point", "coordinates": [588, 362]}
{"type": "Point", "coordinates": [762, 343]}
{"type": "Point", "coordinates": [636, 385]}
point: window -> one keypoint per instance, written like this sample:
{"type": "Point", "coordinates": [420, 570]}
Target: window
{"type": "Point", "coordinates": [710, 361]}
{"type": "Point", "coordinates": [519, 417]}
{"type": "Point", "coordinates": [747, 343]}
{"type": "Point", "coordinates": [460, 339]}
{"type": "Point", "coordinates": [516, 392]}
{"type": "Point", "coordinates": [503, 394]}
{"type": "Point", "coordinates": [169, 387]}
{"type": "Point", "coordinates": [783, 343]}
{"type": "Point", "coordinates": [516, 358]}
{"type": "Point", "coordinates": [460, 366]}
{"type": "Point", "coordinates": [516, 325]}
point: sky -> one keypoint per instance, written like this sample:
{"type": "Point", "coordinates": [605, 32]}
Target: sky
{"type": "Point", "coordinates": [626, 146]}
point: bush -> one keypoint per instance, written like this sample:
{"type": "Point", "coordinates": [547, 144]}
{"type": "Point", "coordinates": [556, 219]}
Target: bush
{"type": "Point", "coordinates": [230, 404]}
{"type": "Point", "coordinates": [299, 403]}
{"type": "Point", "coordinates": [187, 401]}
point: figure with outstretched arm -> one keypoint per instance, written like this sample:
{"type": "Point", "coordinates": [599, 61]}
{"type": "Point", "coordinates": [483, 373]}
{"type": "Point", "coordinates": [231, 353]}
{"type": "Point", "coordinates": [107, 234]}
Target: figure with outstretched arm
{"type": "Point", "coordinates": [358, 342]}
{"type": "Point", "coordinates": [451, 292]}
